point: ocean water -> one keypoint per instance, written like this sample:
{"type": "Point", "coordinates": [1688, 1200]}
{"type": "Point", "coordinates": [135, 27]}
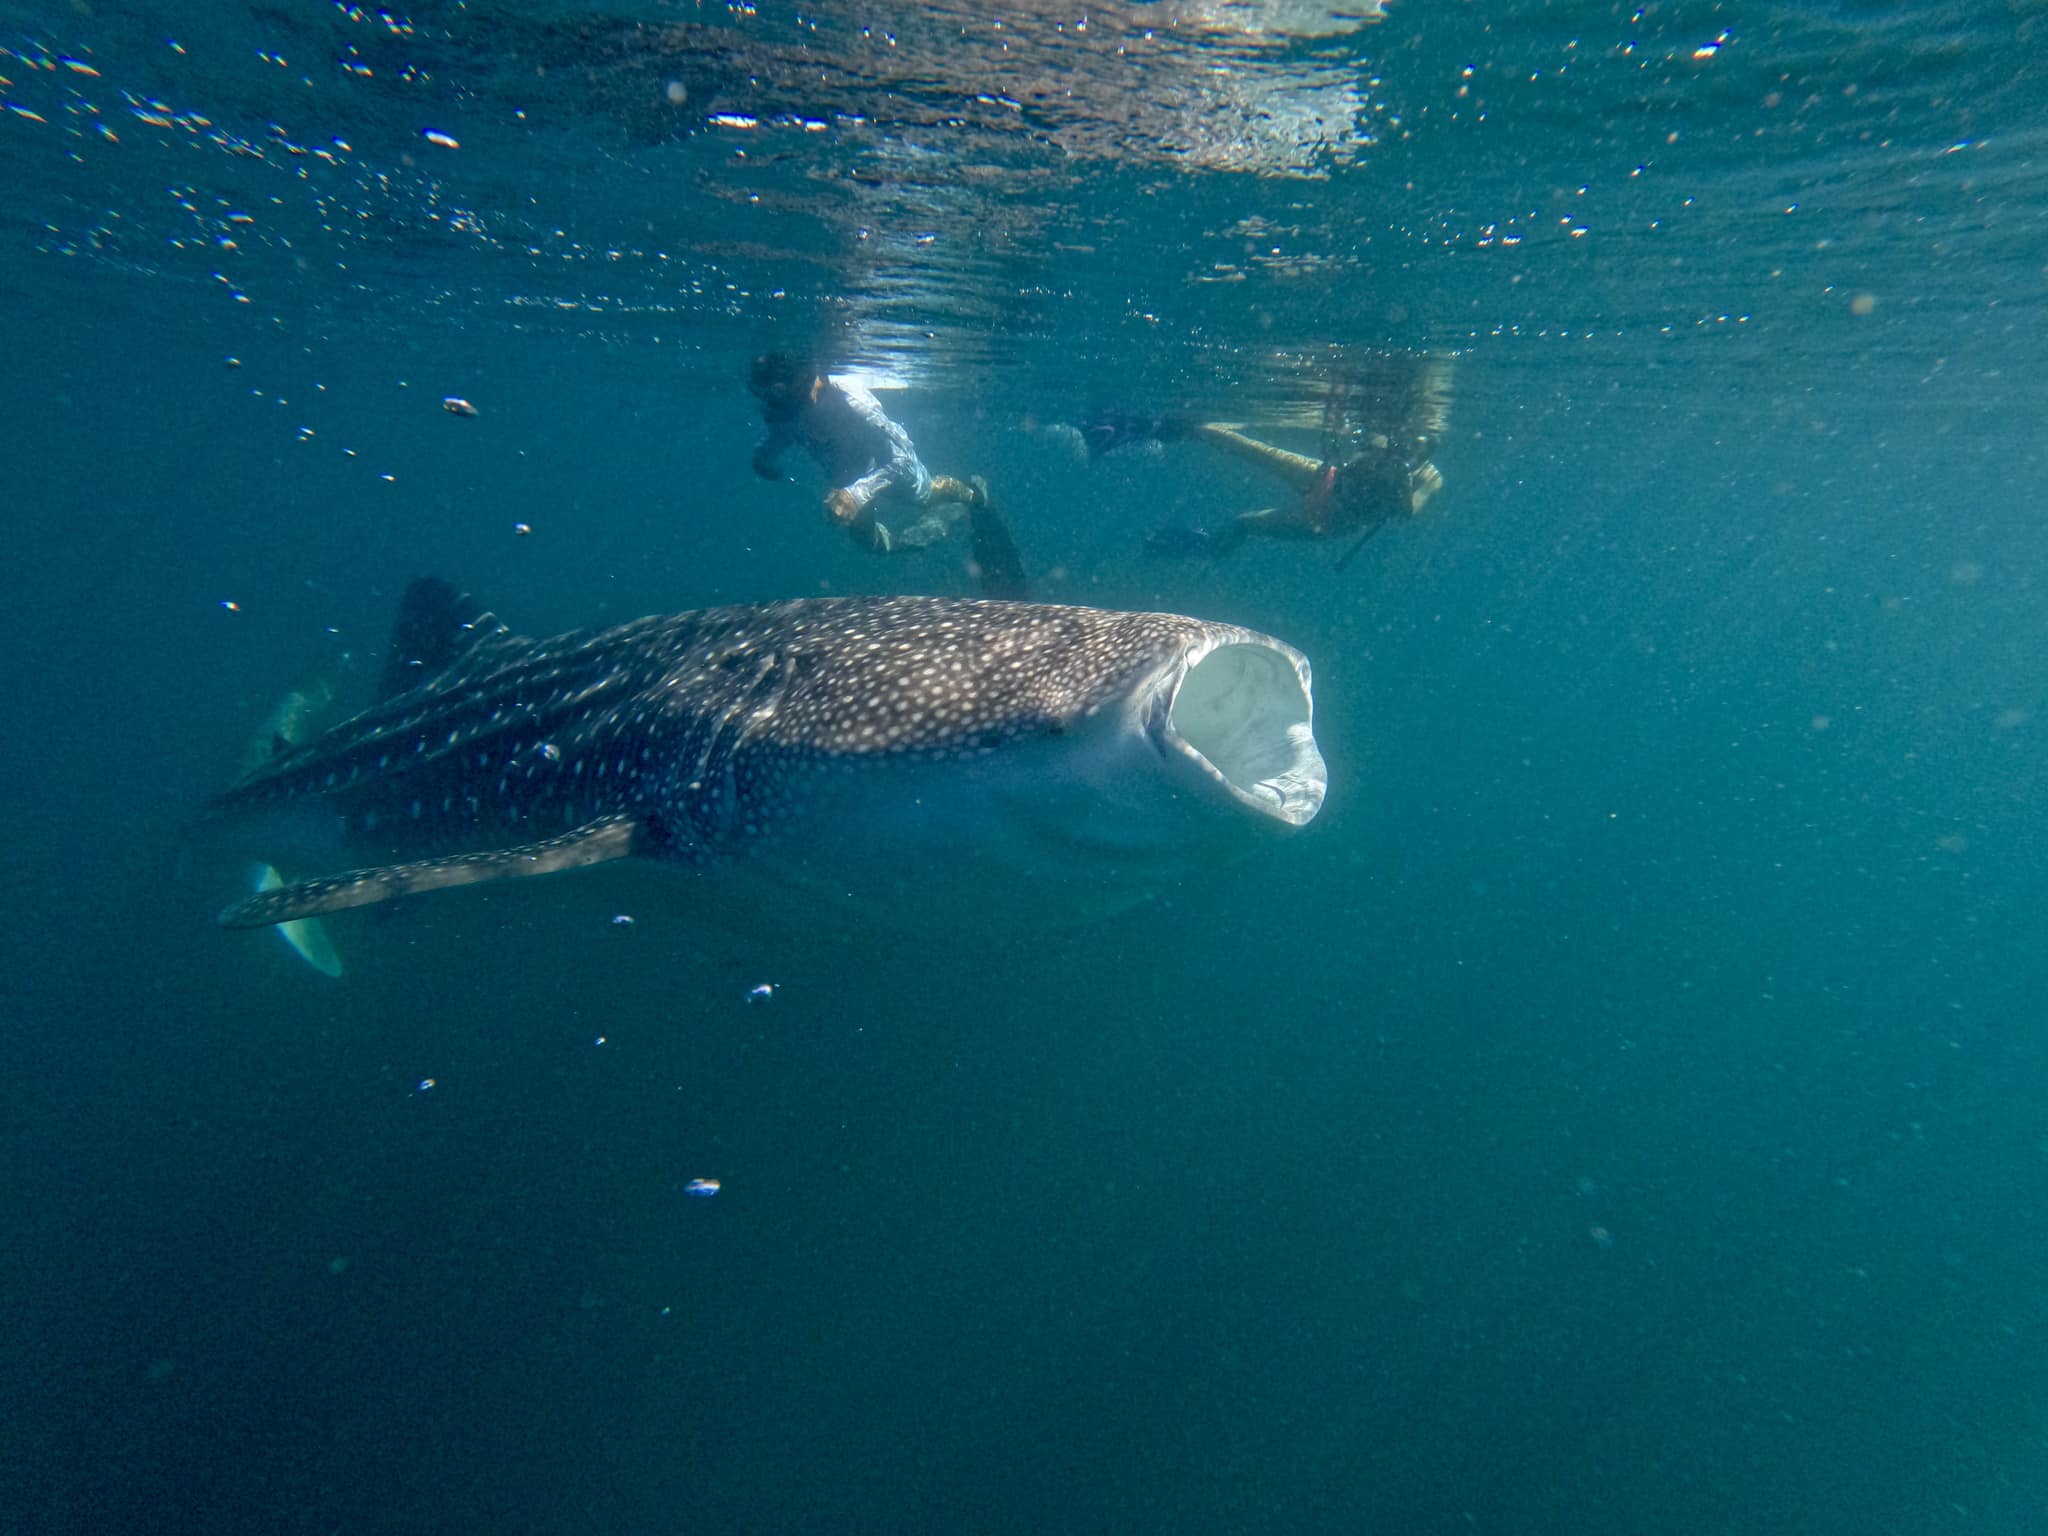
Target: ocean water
{"type": "Point", "coordinates": [1619, 1112]}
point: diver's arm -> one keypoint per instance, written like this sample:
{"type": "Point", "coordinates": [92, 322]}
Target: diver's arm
{"type": "Point", "coordinates": [766, 452]}
{"type": "Point", "coordinates": [855, 496]}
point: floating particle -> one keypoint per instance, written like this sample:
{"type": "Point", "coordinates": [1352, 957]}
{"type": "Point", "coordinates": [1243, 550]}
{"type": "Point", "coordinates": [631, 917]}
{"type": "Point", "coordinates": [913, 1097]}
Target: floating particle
{"type": "Point", "coordinates": [702, 1189]}
{"type": "Point", "coordinates": [436, 136]}
{"type": "Point", "coordinates": [622, 920]}
{"type": "Point", "coordinates": [600, 1040]}
{"type": "Point", "coordinates": [426, 1084]}
{"type": "Point", "coordinates": [522, 529]}
{"type": "Point", "coordinates": [764, 993]}
{"type": "Point", "coordinates": [551, 752]}
{"type": "Point", "coordinates": [231, 605]}
{"type": "Point", "coordinates": [455, 405]}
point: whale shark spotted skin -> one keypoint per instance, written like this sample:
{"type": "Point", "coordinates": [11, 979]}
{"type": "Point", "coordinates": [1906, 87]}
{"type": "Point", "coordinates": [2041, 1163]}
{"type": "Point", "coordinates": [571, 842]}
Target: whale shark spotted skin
{"type": "Point", "coordinates": [882, 751]}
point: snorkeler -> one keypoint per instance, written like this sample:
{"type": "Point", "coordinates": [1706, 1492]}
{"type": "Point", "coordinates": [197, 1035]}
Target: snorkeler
{"type": "Point", "coordinates": [871, 460]}
{"type": "Point", "coordinates": [1383, 422]}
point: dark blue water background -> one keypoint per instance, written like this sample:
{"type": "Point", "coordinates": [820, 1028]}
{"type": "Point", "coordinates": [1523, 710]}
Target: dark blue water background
{"type": "Point", "coordinates": [1620, 1112]}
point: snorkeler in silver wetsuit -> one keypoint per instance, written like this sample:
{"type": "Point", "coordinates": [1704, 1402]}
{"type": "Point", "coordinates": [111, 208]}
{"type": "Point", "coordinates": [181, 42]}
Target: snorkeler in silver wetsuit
{"type": "Point", "coordinates": [871, 461]}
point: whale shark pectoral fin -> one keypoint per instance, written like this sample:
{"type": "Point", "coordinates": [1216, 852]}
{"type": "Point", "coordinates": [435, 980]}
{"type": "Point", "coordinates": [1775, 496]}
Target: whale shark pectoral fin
{"type": "Point", "coordinates": [306, 936]}
{"type": "Point", "coordinates": [596, 842]}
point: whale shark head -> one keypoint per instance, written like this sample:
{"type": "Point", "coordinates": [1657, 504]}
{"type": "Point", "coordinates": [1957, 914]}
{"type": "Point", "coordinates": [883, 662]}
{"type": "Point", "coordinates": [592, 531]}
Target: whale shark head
{"type": "Point", "coordinates": [1047, 763]}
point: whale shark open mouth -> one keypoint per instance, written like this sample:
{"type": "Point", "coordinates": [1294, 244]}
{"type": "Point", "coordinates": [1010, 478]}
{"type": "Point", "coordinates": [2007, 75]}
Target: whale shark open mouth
{"type": "Point", "coordinates": [1242, 713]}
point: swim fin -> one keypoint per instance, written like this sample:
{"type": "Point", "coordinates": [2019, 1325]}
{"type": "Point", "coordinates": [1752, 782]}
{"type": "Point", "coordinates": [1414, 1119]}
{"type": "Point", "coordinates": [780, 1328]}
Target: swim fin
{"type": "Point", "coordinates": [994, 552]}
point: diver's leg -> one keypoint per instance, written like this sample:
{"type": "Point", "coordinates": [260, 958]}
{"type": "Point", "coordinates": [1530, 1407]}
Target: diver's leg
{"type": "Point", "coordinates": [929, 528]}
{"type": "Point", "coordinates": [878, 538]}
{"type": "Point", "coordinates": [1295, 470]}
{"type": "Point", "coordinates": [1175, 543]}
{"type": "Point", "coordinates": [972, 492]}
{"type": "Point", "coordinates": [855, 512]}
{"type": "Point", "coordinates": [1105, 431]}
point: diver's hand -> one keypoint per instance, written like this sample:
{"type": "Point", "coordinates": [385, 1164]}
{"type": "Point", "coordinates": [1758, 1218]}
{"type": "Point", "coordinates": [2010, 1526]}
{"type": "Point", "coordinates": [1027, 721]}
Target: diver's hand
{"type": "Point", "coordinates": [1423, 484]}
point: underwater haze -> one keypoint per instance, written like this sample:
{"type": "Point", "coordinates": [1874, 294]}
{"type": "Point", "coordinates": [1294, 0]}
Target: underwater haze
{"type": "Point", "coordinates": [1619, 1112]}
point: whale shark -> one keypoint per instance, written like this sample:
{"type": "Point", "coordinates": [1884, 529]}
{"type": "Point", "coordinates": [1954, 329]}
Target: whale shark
{"type": "Point", "coordinates": [897, 754]}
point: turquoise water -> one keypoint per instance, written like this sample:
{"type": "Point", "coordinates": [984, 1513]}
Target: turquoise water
{"type": "Point", "coordinates": [1617, 1113]}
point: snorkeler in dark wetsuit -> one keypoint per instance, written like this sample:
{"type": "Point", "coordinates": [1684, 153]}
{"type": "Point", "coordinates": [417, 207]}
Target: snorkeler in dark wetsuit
{"type": "Point", "coordinates": [872, 462]}
{"type": "Point", "coordinates": [1387, 475]}
{"type": "Point", "coordinates": [1359, 496]}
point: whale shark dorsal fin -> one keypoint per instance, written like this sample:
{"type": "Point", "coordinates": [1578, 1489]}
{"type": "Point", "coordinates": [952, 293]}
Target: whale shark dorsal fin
{"type": "Point", "coordinates": [436, 626]}
{"type": "Point", "coordinates": [596, 842]}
